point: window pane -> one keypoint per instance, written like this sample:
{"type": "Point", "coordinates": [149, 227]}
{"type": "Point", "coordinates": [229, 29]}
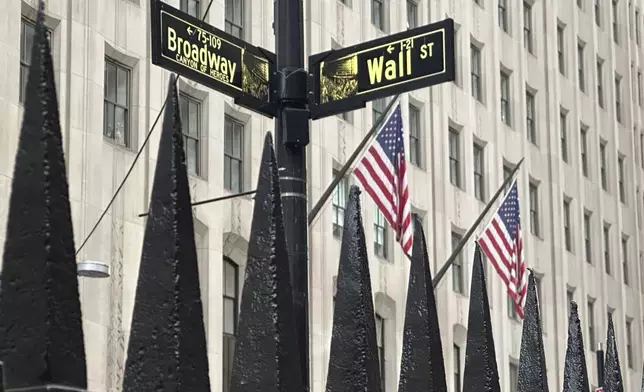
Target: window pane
{"type": "Point", "coordinates": [28, 36]}
{"type": "Point", "coordinates": [229, 316]}
{"type": "Point", "coordinates": [119, 125]}
{"type": "Point", "coordinates": [193, 119]}
{"type": "Point", "coordinates": [235, 176]}
{"type": "Point", "coordinates": [122, 76]}
{"type": "Point", "coordinates": [110, 82]}
{"type": "Point", "coordinates": [237, 143]}
{"type": "Point", "coordinates": [191, 155]}
{"type": "Point", "coordinates": [109, 120]}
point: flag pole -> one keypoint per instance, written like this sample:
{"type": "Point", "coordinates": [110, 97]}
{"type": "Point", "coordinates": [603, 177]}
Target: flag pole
{"type": "Point", "coordinates": [461, 244]}
{"type": "Point", "coordinates": [345, 168]}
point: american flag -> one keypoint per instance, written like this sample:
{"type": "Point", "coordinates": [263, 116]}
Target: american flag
{"type": "Point", "coordinates": [502, 243]}
{"type": "Point", "coordinates": [382, 172]}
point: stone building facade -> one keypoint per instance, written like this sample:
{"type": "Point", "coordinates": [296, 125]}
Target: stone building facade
{"type": "Point", "coordinates": [557, 83]}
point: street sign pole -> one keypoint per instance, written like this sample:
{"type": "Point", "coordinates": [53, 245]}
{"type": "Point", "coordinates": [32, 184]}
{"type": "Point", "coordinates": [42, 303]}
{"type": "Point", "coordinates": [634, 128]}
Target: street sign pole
{"type": "Point", "coordinates": [291, 138]}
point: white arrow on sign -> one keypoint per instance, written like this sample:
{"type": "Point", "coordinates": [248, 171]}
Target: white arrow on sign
{"type": "Point", "coordinates": [390, 49]}
{"type": "Point", "coordinates": [189, 30]}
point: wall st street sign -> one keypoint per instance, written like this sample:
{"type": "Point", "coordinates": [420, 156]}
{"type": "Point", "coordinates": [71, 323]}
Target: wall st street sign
{"type": "Point", "coordinates": [345, 79]}
{"type": "Point", "coordinates": [213, 58]}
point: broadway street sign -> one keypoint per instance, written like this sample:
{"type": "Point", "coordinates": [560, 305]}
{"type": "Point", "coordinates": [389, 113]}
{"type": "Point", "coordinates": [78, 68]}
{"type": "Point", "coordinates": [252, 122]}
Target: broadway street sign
{"type": "Point", "coordinates": [345, 79]}
{"type": "Point", "coordinates": [213, 58]}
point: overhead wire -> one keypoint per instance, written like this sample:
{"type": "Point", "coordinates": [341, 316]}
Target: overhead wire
{"type": "Point", "coordinates": [138, 154]}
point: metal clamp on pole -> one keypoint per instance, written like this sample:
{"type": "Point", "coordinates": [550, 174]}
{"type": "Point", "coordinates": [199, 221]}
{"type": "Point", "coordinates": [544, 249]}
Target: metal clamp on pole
{"type": "Point", "coordinates": [295, 114]}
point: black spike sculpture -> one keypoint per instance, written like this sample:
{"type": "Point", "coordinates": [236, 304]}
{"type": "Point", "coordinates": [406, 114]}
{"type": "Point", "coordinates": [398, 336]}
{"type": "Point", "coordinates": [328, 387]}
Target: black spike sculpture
{"type": "Point", "coordinates": [266, 352]}
{"type": "Point", "coordinates": [41, 335]}
{"type": "Point", "coordinates": [422, 367]}
{"type": "Point", "coordinates": [167, 347]}
{"type": "Point", "coordinates": [612, 371]}
{"type": "Point", "coordinates": [354, 363]}
{"type": "Point", "coordinates": [575, 371]}
{"type": "Point", "coordinates": [532, 361]}
{"type": "Point", "coordinates": [481, 373]}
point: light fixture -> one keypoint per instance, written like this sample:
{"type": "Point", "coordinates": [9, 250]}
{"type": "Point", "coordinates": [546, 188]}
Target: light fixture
{"type": "Point", "coordinates": [93, 269]}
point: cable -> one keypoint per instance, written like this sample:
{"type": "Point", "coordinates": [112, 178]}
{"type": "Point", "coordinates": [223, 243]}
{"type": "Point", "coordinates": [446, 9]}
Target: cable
{"type": "Point", "coordinates": [138, 154]}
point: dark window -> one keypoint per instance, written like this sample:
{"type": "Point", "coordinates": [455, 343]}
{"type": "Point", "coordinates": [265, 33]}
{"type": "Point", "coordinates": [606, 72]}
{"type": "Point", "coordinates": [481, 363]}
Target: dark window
{"type": "Point", "coordinates": [378, 14]}
{"type": "Point", "coordinates": [591, 324]}
{"type": "Point", "coordinates": [512, 309]}
{"type": "Point", "coordinates": [622, 186]}
{"type": "Point", "coordinates": [580, 66]}
{"type": "Point", "coordinates": [570, 296]}
{"type": "Point", "coordinates": [377, 110]}
{"type": "Point", "coordinates": [191, 7]}
{"type": "Point", "coordinates": [116, 125]}
{"type": "Point", "coordinates": [607, 264]}
{"type": "Point", "coordinates": [560, 50]}
{"type": "Point", "coordinates": [534, 209]}
{"type": "Point", "coordinates": [191, 128]}
{"type": "Point", "coordinates": [563, 127]}
{"type": "Point", "coordinates": [503, 15]}
{"type": "Point", "coordinates": [600, 83]}
{"type": "Point", "coordinates": [231, 305]}
{"type": "Point", "coordinates": [415, 145]}
{"type": "Point", "coordinates": [615, 22]}
{"type": "Point", "coordinates": [567, 225]}
{"type": "Point", "coordinates": [412, 14]}
{"type": "Point", "coordinates": [507, 172]}
{"type": "Point", "coordinates": [527, 27]}
{"type": "Point", "coordinates": [629, 344]}
{"type": "Point", "coordinates": [505, 99]}
{"type": "Point", "coordinates": [584, 150]}
{"type": "Point", "coordinates": [233, 153]}
{"type": "Point", "coordinates": [380, 337]}
{"type": "Point", "coordinates": [598, 14]}
{"type": "Point", "coordinates": [477, 90]}
{"type": "Point", "coordinates": [625, 269]}
{"type": "Point", "coordinates": [340, 194]}
{"type": "Point", "coordinates": [602, 166]}
{"type": "Point", "coordinates": [380, 231]}
{"type": "Point", "coordinates": [457, 368]}
{"type": "Point", "coordinates": [479, 175]}
{"type": "Point", "coordinates": [454, 157]}
{"type": "Point", "coordinates": [618, 98]}
{"type": "Point", "coordinates": [457, 267]}
{"type": "Point", "coordinates": [587, 237]}
{"type": "Point", "coordinates": [530, 117]}
{"type": "Point", "coordinates": [27, 32]}
{"type": "Point", "coordinates": [235, 18]}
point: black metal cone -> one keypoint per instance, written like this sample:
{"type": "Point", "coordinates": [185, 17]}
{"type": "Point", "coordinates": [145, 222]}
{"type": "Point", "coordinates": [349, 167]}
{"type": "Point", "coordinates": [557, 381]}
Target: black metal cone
{"type": "Point", "coordinates": [575, 371]}
{"type": "Point", "coordinates": [41, 335]}
{"type": "Point", "coordinates": [533, 375]}
{"type": "Point", "coordinates": [267, 356]}
{"type": "Point", "coordinates": [354, 364]}
{"type": "Point", "coordinates": [481, 373]}
{"type": "Point", "coordinates": [422, 367]}
{"type": "Point", "coordinates": [612, 370]}
{"type": "Point", "coordinates": [167, 347]}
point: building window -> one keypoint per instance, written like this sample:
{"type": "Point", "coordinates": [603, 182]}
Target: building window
{"type": "Point", "coordinates": [618, 98]}
{"type": "Point", "coordinates": [638, 27]}
{"type": "Point", "coordinates": [507, 172]}
{"type": "Point", "coordinates": [580, 4]}
{"type": "Point", "coordinates": [602, 165]}
{"type": "Point", "coordinates": [505, 98]}
{"type": "Point", "coordinates": [235, 18]}
{"type": "Point", "coordinates": [560, 50]}
{"type": "Point", "coordinates": [587, 237]}
{"type": "Point", "coordinates": [642, 148]}
{"type": "Point", "coordinates": [503, 15]}
{"type": "Point", "coordinates": [570, 296]}
{"type": "Point", "coordinates": [454, 157]}
{"type": "Point", "coordinates": [377, 110]}
{"type": "Point", "coordinates": [534, 209]}
{"type": "Point", "coordinates": [527, 27]}
{"type": "Point", "coordinates": [640, 88]}
{"type": "Point", "coordinates": [380, 233]}
{"type": "Point", "coordinates": [479, 179]}
{"type": "Point", "coordinates": [233, 152]}
{"type": "Point", "coordinates": [591, 324]}
{"type": "Point", "coordinates": [27, 32]}
{"type": "Point", "coordinates": [615, 24]}
{"type": "Point", "coordinates": [622, 190]}
{"type": "Point", "coordinates": [191, 7]}
{"type": "Point", "coordinates": [625, 261]}
{"type": "Point", "coordinates": [598, 14]}
{"type": "Point", "coordinates": [563, 126]}
{"type": "Point", "coordinates": [580, 65]}
{"type": "Point", "coordinates": [415, 146]}
{"type": "Point", "coordinates": [191, 128]}
{"type": "Point", "coordinates": [475, 58]}
{"type": "Point", "coordinates": [457, 368]}
{"type": "Point", "coordinates": [629, 344]}
{"type": "Point", "coordinates": [514, 376]}
{"type": "Point", "coordinates": [530, 117]}
{"type": "Point", "coordinates": [567, 228]}
{"type": "Point", "coordinates": [380, 338]}
{"type": "Point", "coordinates": [584, 150]}
{"type": "Point", "coordinates": [412, 14]}
{"type": "Point", "coordinates": [512, 310]}
{"type": "Point", "coordinates": [116, 125]}
{"type": "Point", "coordinates": [231, 305]}
{"type": "Point", "coordinates": [457, 267]}
{"type": "Point", "coordinates": [539, 289]}
{"type": "Point", "coordinates": [378, 14]}
{"type": "Point", "coordinates": [339, 201]}
{"type": "Point", "coordinates": [600, 83]}
{"type": "Point", "coordinates": [607, 249]}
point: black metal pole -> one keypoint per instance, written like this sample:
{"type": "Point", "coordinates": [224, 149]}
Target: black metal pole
{"type": "Point", "coordinates": [600, 365]}
{"type": "Point", "coordinates": [291, 138]}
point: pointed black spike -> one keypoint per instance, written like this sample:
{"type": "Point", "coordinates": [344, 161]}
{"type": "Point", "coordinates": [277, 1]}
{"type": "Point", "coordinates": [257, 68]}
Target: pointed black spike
{"type": "Point", "coordinates": [266, 354]}
{"type": "Point", "coordinates": [575, 371]}
{"type": "Point", "coordinates": [612, 370]}
{"type": "Point", "coordinates": [533, 375]}
{"type": "Point", "coordinates": [167, 347]}
{"type": "Point", "coordinates": [41, 336]}
{"type": "Point", "coordinates": [422, 367]}
{"type": "Point", "coordinates": [481, 373]}
{"type": "Point", "coordinates": [354, 363]}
